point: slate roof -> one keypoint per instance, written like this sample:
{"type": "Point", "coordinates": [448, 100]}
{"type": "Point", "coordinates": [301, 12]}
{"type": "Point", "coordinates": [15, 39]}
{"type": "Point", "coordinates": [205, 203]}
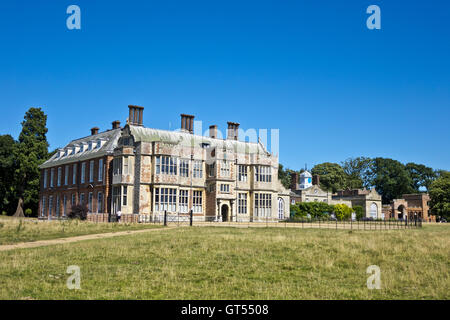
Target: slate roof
{"type": "Point", "coordinates": [110, 138]}
{"type": "Point", "coordinates": [142, 134]}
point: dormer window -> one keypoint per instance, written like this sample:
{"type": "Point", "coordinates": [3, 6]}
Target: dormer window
{"type": "Point", "coordinates": [59, 153]}
{"type": "Point", "coordinates": [90, 146]}
{"type": "Point", "coordinates": [99, 144]}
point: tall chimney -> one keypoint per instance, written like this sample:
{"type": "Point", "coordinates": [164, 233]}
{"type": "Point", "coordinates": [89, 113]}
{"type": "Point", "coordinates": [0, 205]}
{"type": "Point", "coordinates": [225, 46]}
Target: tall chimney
{"type": "Point", "coordinates": [233, 128]}
{"type": "Point", "coordinates": [94, 131]}
{"type": "Point", "coordinates": [316, 180]}
{"type": "Point", "coordinates": [213, 131]}
{"type": "Point", "coordinates": [136, 115]}
{"type": "Point", "coordinates": [294, 180]}
{"type": "Point", "coordinates": [116, 124]}
{"type": "Point", "coordinates": [187, 123]}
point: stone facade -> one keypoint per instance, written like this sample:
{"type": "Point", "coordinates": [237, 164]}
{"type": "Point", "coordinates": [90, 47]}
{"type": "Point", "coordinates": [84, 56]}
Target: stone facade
{"type": "Point", "coordinates": [312, 194]}
{"type": "Point", "coordinates": [149, 172]}
{"type": "Point", "coordinates": [410, 205]}
{"type": "Point", "coordinates": [369, 200]}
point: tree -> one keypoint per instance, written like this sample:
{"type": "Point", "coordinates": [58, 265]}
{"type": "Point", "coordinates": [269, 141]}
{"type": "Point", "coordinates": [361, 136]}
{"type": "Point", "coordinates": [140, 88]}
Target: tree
{"type": "Point", "coordinates": [31, 151]}
{"type": "Point", "coordinates": [332, 176]}
{"type": "Point", "coordinates": [442, 173]}
{"type": "Point", "coordinates": [358, 172]}
{"type": "Point", "coordinates": [440, 196]}
{"type": "Point", "coordinates": [284, 176]}
{"type": "Point", "coordinates": [342, 211]}
{"type": "Point", "coordinates": [391, 179]}
{"type": "Point", "coordinates": [7, 168]}
{"type": "Point", "coordinates": [421, 176]}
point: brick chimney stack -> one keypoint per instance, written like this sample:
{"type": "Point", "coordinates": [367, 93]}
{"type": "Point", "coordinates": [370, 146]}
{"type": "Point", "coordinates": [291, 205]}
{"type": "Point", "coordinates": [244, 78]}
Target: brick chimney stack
{"type": "Point", "coordinates": [316, 180]}
{"type": "Point", "coordinates": [135, 117]}
{"type": "Point", "coordinates": [94, 131]}
{"type": "Point", "coordinates": [233, 128]}
{"type": "Point", "coordinates": [116, 124]}
{"type": "Point", "coordinates": [187, 123]}
{"type": "Point", "coordinates": [294, 180]}
{"type": "Point", "coordinates": [213, 131]}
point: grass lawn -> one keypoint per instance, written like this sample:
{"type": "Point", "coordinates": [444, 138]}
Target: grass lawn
{"type": "Point", "coordinates": [14, 230]}
{"type": "Point", "coordinates": [237, 263]}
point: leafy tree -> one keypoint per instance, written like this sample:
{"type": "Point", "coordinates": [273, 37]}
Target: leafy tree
{"type": "Point", "coordinates": [7, 168]}
{"type": "Point", "coordinates": [31, 151]}
{"type": "Point", "coordinates": [391, 179]}
{"type": "Point", "coordinates": [358, 172]}
{"type": "Point", "coordinates": [284, 176]}
{"type": "Point", "coordinates": [332, 176]}
{"type": "Point", "coordinates": [442, 174]}
{"type": "Point", "coordinates": [440, 196]}
{"type": "Point", "coordinates": [359, 212]}
{"type": "Point", "coordinates": [421, 176]}
{"type": "Point", "coordinates": [342, 211]}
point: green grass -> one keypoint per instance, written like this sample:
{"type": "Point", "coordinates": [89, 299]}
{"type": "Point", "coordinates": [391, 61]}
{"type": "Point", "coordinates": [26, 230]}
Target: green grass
{"type": "Point", "coordinates": [14, 230]}
{"type": "Point", "coordinates": [236, 263]}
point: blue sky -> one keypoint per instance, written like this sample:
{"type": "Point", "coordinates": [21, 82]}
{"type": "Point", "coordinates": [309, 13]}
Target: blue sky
{"type": "Point", "coordinates": [311, 69]}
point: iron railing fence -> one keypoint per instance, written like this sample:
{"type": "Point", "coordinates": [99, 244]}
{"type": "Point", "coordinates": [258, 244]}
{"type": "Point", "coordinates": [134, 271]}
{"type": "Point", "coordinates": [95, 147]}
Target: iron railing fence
{"type": "Point", "coordinates": [169, 219]}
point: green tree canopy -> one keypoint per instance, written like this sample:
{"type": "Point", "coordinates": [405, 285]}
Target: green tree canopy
{"type": "Point", "coordinates": [421, 175]}
{"type": "Point", "coordinates": [358, 172]}
{"type": "Point", "coordinates": [332, 176]}
{"type": "Point", "coordinates": [284, 176]}
{"type": "Point", "coordinates": [7, 168]}
{"type": "Point", "coordinates": [31, 151]}
{"type": "Point", "coordinates": [439, 191]}
{"type": "Point", "coordinates": [390, 178]}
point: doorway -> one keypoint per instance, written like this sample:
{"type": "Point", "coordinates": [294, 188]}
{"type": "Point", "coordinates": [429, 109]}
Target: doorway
{"type": "Point", "coordinates": [224, 212]}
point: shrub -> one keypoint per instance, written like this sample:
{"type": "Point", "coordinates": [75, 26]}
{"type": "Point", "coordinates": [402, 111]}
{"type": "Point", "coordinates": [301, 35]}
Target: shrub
{"type": "Point", "coordinates": [359, 211]}
{"type": "Point", "coordinates": [314, 209]}
{"type": "Point", "coordinates": [342, 211]}
{"type": "Point", "coordinates": [28, 212]}
{"type": "Point", "coordinates": [78, 212]}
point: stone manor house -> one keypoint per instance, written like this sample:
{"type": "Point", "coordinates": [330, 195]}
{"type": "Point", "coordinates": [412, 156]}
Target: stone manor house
{"type": "Point", "coordinates": [145, 171]}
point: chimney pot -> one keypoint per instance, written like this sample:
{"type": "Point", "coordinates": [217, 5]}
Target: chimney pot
{"type": "Point", "coordinates": [233, 128]}
{"type": "Point", "coordinates": [116, 124]}
{"type": "Point", "coordinates": [136, 114]}
{"type": "Point", "coordinates": [213, 131]}
{"type": "Point", "coordinates": [316, 180]}
{"type": "Point", "coordinates": [94, 131]}
{"type": "Point", "coordinates": [187, 123]}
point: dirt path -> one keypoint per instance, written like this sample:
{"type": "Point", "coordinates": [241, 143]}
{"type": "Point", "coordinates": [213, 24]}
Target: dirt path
{"type": "Point", "coordinates": [43, 243]}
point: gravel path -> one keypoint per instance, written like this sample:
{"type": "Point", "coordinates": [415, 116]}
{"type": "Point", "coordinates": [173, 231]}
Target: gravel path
{"type": "Point", "coordinates": [43, 243]}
